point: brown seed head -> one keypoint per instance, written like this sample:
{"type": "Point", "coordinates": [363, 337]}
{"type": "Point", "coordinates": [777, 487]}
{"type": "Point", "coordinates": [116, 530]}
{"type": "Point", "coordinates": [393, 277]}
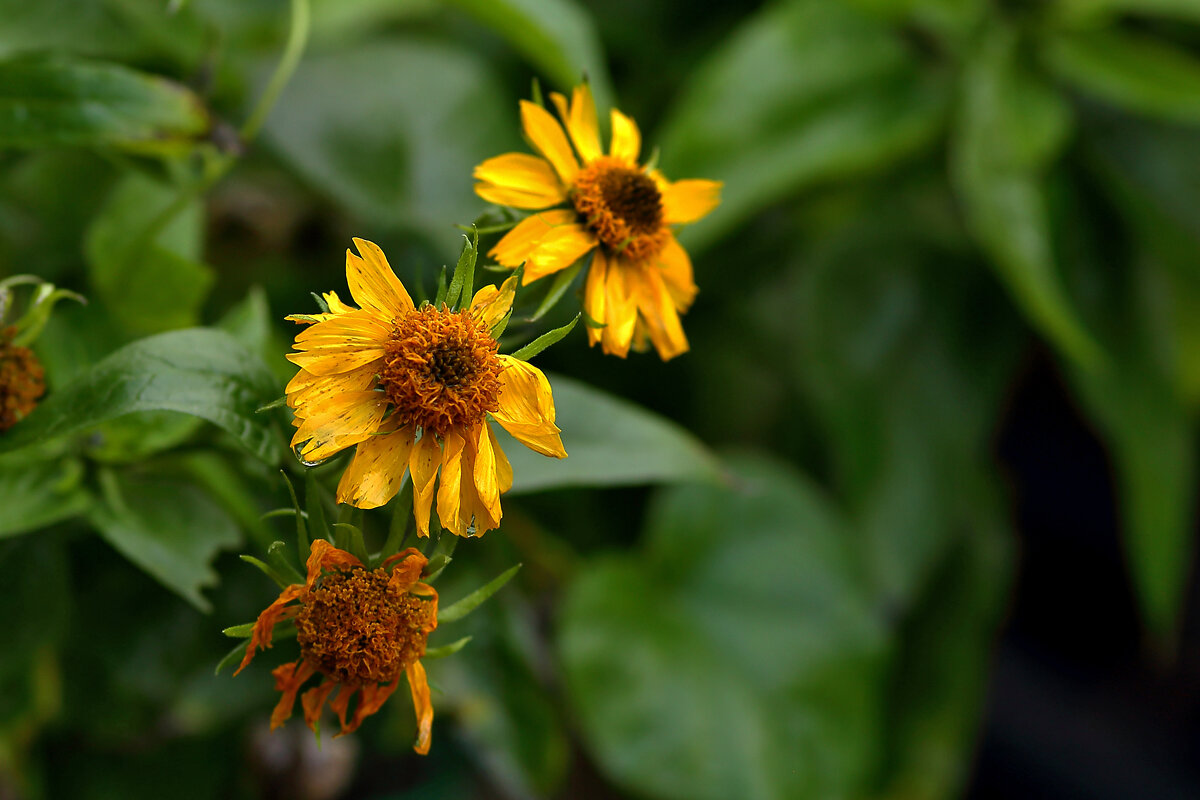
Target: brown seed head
{"type": "Point", "coordinates": [359, 626]}
{"type": "Point", "coordinates": [21, 380]}
{"type": "Point", "coordinates": [440, 370]}
{"type": "Point", "coordinates": [622, 206]}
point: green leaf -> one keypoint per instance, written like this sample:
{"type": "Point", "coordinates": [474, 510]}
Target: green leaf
{"type": "Point", "coordinates": [149, 283]}
{"type": "Point", "coordinates": [434, 653]}
{"type": "Point", "coordinates": [36, 493]}
{"type": "Point", "coordinates": [458, 610]}
{"type": "Point", "coordinates": [555, 36]}
{"type": "Point", "coordinates": [1092, 12]}
{"type": "Point", "coordinates": [738, 655]}
{"type": "Point", "coordinates": [941, 673]}
{"type": "Point", "coordinates": [609, 442]}
{"type": "Point", "coordinates": [1138, 73]}
{"type": "Point", "coordinates": [201, 372]}
{"type": "Point", "coordinates": [395, 152]}
{"type": "Point", "coordinates": [169, 529]}
{"type": "Point", "coordinates": [60, 101]}
{"type": "Point", "coordinates": [462, 284]}
{"type": "Point", "coordinates": [835, 93]}
{"type": "Point", "coordinates": [1011, 129]}
{"type": "Point", "coordinates": [545, 340]}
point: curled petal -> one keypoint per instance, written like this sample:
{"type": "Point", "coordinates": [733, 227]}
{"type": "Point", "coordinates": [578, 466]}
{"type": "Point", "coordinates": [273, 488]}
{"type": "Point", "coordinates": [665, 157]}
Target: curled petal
{"type": "Point", "coordinates": [558, 249]}
{"type": "Point", "coordinates": [288, 679]}
{"type": "Point", "coordinates": [324, 556]}
{"type": "Point", "coordinates": [450, 489]}
{"type": "Point", "coordinates": [407, 570]}
{"type": "Point", "coordinates": [314, 700]}
{"type": "Point", "coordinates": [626, 138]}
{"type": "Point", "coordinates": [490, 304]}
{"type": "Point", "coordinates": [423, 465]}
{"type": "Point", "coordinates": [377, 470]}
{"type": "Point", "coordinates": [264, 626]}
{"type": "Point", "coordinates": [677, 274]}
{"type": "Point", "coordinates": [419, 685]}
{"type": "Point", "coordinates": [527, 407]}
{"type": "Point", "coordinates": [370, 699]}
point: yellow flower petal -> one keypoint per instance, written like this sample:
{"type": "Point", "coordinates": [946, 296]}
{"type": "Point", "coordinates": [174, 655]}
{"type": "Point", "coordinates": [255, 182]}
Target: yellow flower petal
{"type": "Point", "coordinates": [547, 137]}
{"type": "Point", "coordinates": [504, 473]}
{"type": "Point", "coordinates": [677, 274]}
{"type": "Point", "coordinates": [307, 392]}
{"type": "Point", "coordinates": [341, 421]}
{"type": "Point", "coordinates": [423, 465]}
{"type": "Point", "coordinates": [626, 139]}
{"type": "Point", "coordinates": [419, 685]}
{"type": "Point", "coordinates": [656, 310]}
{"type": "Point", "coordinates": [517, 244]}
{"type": "Point", "coordinates": [558, 249]}
{"type": "Point", "coordinates": [449, 498]}
{"type": "Point", "coordinates": [336, 359]}
{"type": "Point", "coordinates": [527, 407]}
{"type": "Point", "coordinates": [378, 467]}
{"type": "Point", "coordinates": [620, 308]}
{"type": "Point", "coordinates": [581, 121]}
{"type": "Point", "coordinates": [490, 304]}
{"type": "Point", "coordinates": [689, 200]}
{"type": "Point", "coordinates": [372, 282]}
{"type": "Point", "coordinates": [486, 483]}
{"type": "Point", "coordinates": [519, 180]}
{"type": "Point", "coordinates": [595, 303]}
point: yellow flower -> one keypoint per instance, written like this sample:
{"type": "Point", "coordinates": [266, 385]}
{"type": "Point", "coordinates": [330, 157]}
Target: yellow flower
{"type": "Point", "coordinates": [21, 380]}
{"type": "Point", "coordinates": [361, 629]}
{"type": "Point", "coordinates": [413, 388]}
{"type": "Point", "coordinates": [640, 279]}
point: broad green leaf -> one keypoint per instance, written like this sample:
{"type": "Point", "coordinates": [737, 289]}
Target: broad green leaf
{"type": "Point", "coordinates": [56, 102]}
{"type": "Point", "coordinates": [168, 528]}
{"type": "Point", "coordinates": [738, 655]}
{"type": "Point", "coordinates": [397, 152]}
{"type": "Point", "coordinates": [609, 442]}
{"type": "Point", "coordinates": [1010, 130]}
{"type": "Point", "coordinates": [1144, 406]}
{"type": "Point", "coordinates": [1135, 72]}
{"type": "Point", "coordinates": [940, 675]}
{"type": "Point", "coordinates": [555, 36]}
{"type": "Point", "coordinates": [148, 284]}
{"type": "Point", "coordinates": [201, 372]}
{"type": "Point", "coordinates": [39, 489]}
{"type": "Point", "coordinates": [823, 92]}
{"type": "Point", "coordinates": [905, 384]}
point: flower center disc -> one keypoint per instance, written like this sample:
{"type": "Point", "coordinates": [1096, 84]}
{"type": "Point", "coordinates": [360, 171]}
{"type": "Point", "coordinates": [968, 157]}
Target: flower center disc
{"type": "Point", "coordinates": [21, 381]}
{"type": "Point", "coordinates": [623, 206]}
{"type": "Point", "coordinates": [357, 627]}
{"type": "Point", "coordinates": [440, 370]}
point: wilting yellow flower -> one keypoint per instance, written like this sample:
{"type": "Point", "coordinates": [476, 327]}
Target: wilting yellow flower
{"type": "Point", "coordinates": [361, 629]}
{"type": "Point", "coordinates": [640, 279]}
{"type": "Point", "coordinates": [21, 380]}
{"type": "Point", "coordinates": [413, 388]}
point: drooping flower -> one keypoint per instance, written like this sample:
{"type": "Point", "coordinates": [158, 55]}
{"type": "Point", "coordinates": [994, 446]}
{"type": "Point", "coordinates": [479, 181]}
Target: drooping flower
{"type": "Point", "coordinates": [22, 380]}
{"type": "Point", "coordinates": [640, 279]}
{"type": "Point", "coordinates": [359, 629]}
{"type": "Point", "coordinates": [413, 389]}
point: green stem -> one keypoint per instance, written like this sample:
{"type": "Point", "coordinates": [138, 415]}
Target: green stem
{"type": "Point", "coordinates": [293, 50]}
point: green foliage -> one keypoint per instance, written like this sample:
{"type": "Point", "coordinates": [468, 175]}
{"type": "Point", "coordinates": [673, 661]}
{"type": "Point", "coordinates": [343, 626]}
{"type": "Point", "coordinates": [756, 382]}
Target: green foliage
{"type": "Point", "coordinates": [201, 372]}
{"type": "Point", "coordinates": [736, 655]}
{"type": "Point", "coordinates": [90, 104]}
{"type": "Point", "coordinates": [609, 442]}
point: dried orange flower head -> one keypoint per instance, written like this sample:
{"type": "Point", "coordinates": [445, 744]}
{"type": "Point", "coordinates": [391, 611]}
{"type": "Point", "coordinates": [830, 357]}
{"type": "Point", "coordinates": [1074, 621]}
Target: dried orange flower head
{"type": "Point", "coordinates": [22, 380]}
{"type": "Point", "coordinates": [585, 200]}
{"type": "Point", "coordinates": [360, 626]}
{"type": "Point", "coordinates": [360, 629]}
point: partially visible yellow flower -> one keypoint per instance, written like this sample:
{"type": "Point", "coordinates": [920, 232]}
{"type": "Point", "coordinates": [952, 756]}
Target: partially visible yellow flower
{"type": "Point", "coordinates": [361, 629]}
{"type": "Point", "coordinates": [640, 279]}
{"type": "Point", "coordinates": [413, 388]}
{"type": "Point", "coordinates": [21, 380]}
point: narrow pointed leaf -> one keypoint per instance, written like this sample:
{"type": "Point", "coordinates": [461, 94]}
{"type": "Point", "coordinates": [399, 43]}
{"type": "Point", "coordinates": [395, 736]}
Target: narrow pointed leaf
{"type": "Point", "coordinates": [475, 599]}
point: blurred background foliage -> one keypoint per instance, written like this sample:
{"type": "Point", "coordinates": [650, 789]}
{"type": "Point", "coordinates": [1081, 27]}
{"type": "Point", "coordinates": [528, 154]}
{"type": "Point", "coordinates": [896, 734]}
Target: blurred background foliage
{"type": "Point", "coordinates": [926, 203]}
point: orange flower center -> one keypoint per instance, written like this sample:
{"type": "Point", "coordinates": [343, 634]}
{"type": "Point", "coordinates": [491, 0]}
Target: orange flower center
{"type": "Point", "coordinates": [359, 627]}
{"type": "Point", "coordinates": [21, 380]}
{"type": "Point", "coordinates": [440, 370]}
{"type": "Point", "coordinates": [622, 206]}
